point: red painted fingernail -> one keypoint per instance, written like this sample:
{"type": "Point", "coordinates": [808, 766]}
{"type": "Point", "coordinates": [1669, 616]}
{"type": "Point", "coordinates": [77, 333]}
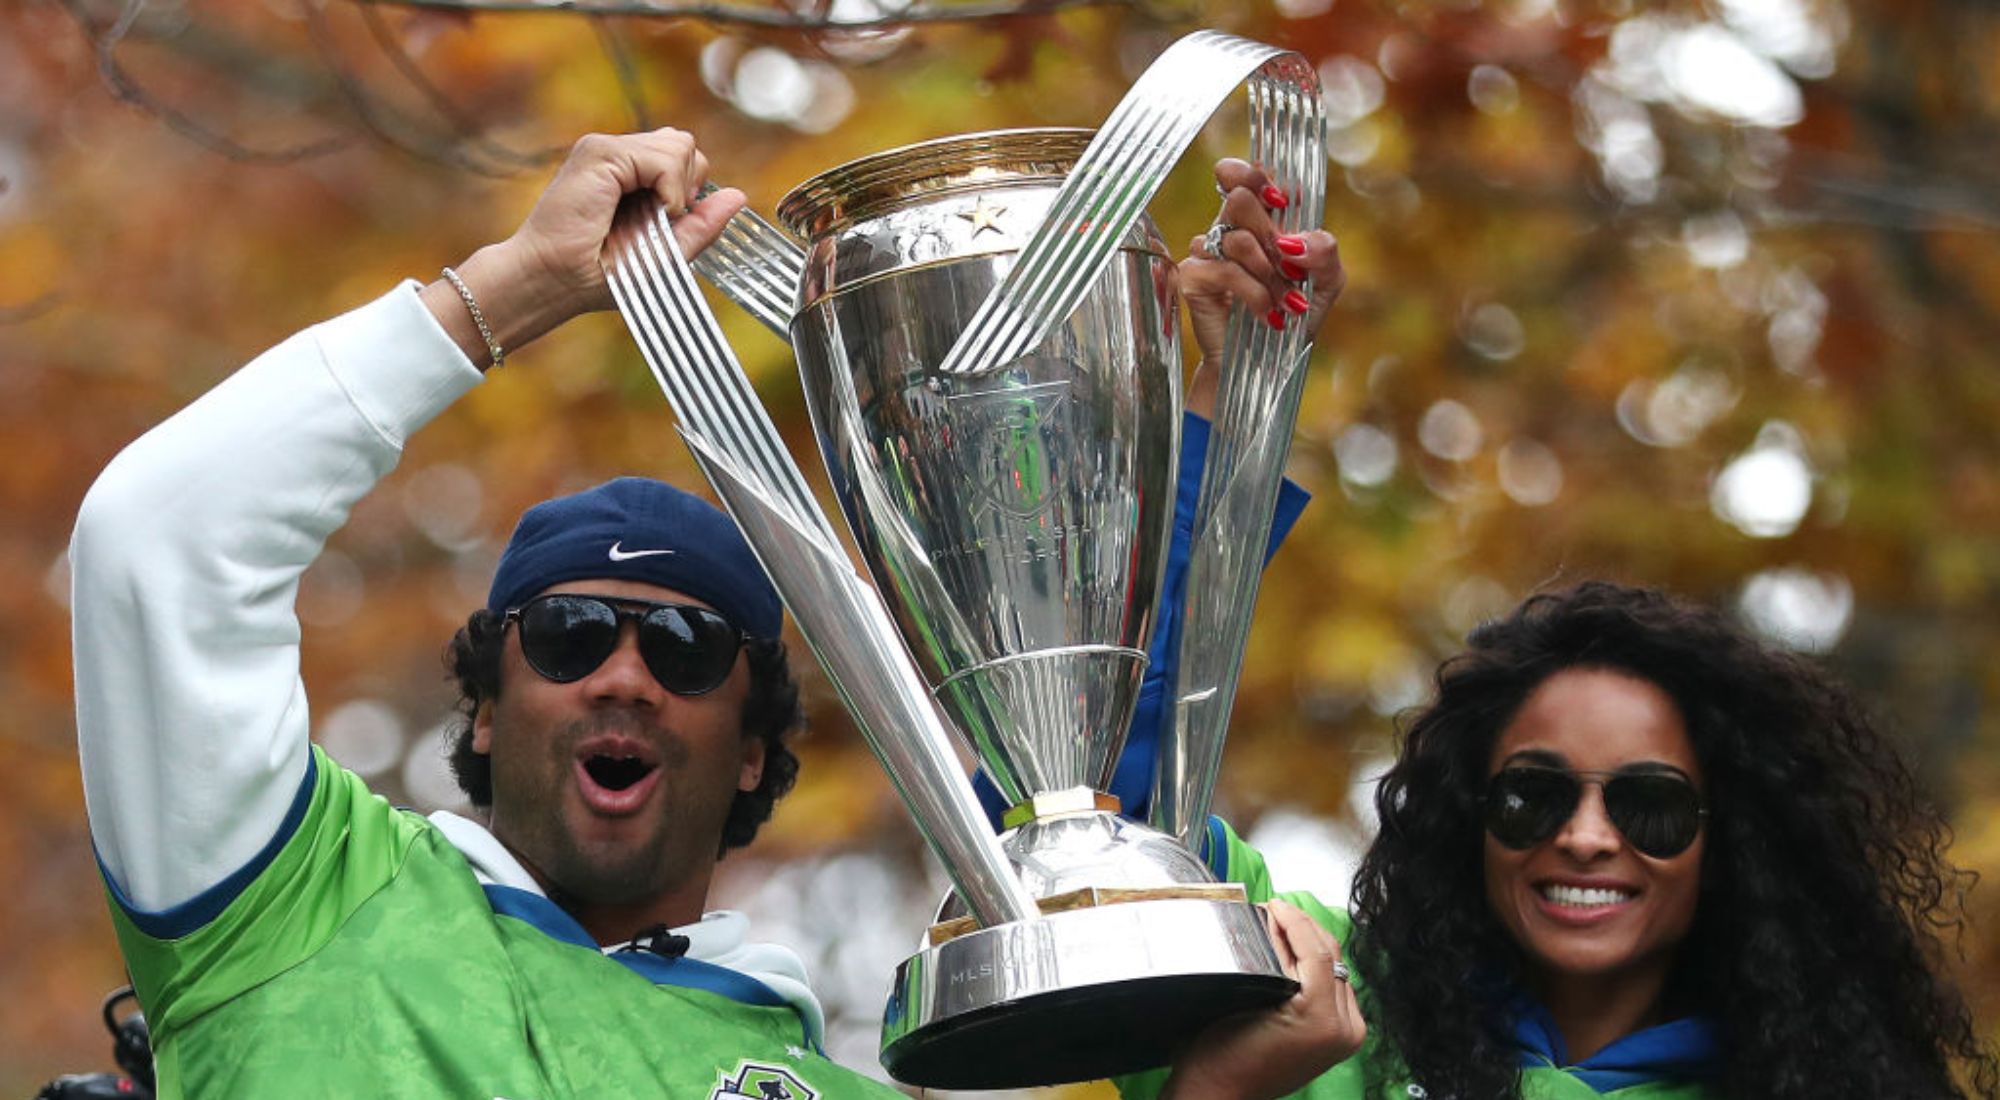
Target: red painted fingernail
{"type": "Point", "coordinates": [1275, 318]}
{"type": "Point", "coordinates": [1274, 197]}
{"type": "Point", "coordinates": [1295, 301]}
{"type": "Point", "coordinates": [1291, 245]}
{"type": "Point", "coordinates": [1292, 271]}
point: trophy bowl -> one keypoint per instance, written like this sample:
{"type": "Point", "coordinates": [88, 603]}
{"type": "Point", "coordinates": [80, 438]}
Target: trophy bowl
{"type": "Point", "coordinates": [1015, 520]}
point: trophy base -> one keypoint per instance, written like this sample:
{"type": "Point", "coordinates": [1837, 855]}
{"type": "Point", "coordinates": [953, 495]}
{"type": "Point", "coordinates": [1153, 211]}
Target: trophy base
{"type": "Point", "coordinates": [1076, 995]}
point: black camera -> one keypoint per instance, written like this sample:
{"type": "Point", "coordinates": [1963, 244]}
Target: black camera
{"type": "Point", "coordinates": [131, 1047]}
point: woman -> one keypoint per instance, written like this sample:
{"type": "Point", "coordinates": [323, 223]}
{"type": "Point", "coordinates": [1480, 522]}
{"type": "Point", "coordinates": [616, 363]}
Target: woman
{"type": "Point", "coordinates": [1630, 850]}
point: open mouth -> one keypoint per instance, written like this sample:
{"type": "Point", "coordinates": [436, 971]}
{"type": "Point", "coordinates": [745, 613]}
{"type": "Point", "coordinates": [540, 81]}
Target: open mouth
{"type": "Point", "coordinates": [616, 773]}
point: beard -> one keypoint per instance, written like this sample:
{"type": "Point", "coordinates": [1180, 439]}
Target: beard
{"type": "Point", "coordinates": [629, 862]}
{"type": "Point", "coordinates": [606, 873]}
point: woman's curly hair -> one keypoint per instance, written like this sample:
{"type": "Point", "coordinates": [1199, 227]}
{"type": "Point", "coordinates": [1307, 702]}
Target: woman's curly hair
{"type": "Point", "coordinates": [1826, 902]}
{"type": "Point", "coordinates": [771, 713]}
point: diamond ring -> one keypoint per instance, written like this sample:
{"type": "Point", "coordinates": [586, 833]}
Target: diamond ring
{"type": "Point", "coordinates": [1211, 242]}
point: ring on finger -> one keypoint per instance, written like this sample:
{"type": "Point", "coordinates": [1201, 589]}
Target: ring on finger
{"type": "Point", "coordinates": [1340, 971]}
{"type": "Point", "coordinates": [1211, 241]}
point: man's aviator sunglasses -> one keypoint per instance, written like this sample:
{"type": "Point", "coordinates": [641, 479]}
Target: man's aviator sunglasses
{"type": "Point", "coordinates": [564, 636]}
{"type": "Point", "coordinates": [1658, 812]}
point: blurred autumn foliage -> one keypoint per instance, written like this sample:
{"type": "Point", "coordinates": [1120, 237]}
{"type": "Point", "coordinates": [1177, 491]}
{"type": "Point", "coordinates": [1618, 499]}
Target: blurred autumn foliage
{"type": "Point", "coordinates": [1703, 294]}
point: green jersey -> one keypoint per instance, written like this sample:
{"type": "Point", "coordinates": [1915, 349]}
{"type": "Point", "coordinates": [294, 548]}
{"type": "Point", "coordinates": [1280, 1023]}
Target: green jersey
{"type": "Point", "coordinates": [362, 957]}
{"type": "Point", "coordinates": [1242, 863]}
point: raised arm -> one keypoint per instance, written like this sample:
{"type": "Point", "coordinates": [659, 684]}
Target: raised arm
{"type": "Point", "coordinates": [1288, 280]}
{"type": "Point", "coordinates": [192, 720]}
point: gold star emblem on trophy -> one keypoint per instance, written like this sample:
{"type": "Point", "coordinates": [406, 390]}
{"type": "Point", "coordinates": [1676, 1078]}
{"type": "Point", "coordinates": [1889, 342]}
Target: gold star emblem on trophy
{"type": "Point", "coordinates": [983, 216]}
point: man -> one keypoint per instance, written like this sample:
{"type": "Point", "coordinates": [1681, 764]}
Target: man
{"type": "Point", "coordinates": [289, 933]}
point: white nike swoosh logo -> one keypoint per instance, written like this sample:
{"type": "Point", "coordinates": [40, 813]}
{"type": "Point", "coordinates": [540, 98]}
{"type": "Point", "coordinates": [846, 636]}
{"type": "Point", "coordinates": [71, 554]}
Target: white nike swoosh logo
{"type": "Point", "coordinates": [619, 553]}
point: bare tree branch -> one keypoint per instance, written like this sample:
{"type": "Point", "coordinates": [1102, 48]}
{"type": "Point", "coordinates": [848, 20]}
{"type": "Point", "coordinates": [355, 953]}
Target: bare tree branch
{"type": "Point", "coordinates": [403, 133]}
{"type": "Point", "coordinates": [464, 145]}
{"type": "Point", "coordinates": [1906, 194]}
{"type": "Point", "coordinates": [625, 67]}
{"type": "Point", "coordinates": [469, 131]}
{"type": "Point", "coordinates": [32, 308]}
{"type": "Point", "coordinates": [711, 12]}
{"type": "Point", "coordinates": [128, 90]}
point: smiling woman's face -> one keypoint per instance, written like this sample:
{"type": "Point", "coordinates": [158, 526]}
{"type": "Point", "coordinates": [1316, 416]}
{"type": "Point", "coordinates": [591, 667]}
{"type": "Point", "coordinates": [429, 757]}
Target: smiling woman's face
{"type": "Point", "coordinates": [1584, 905]}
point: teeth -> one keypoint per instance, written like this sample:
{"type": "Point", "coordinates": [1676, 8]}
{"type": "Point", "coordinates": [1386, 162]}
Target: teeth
{"type": "Point", "coordinates": [1581, 898]}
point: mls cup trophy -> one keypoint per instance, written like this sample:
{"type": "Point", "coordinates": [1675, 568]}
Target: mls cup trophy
{"type": "Point", "coordinates": [987, 331]}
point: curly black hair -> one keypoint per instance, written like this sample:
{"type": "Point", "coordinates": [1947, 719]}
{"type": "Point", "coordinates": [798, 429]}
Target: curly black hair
{"type": "Point", "coordinates": [771, 713]}
{"type": "Point", "coordinates": [1826, 901]}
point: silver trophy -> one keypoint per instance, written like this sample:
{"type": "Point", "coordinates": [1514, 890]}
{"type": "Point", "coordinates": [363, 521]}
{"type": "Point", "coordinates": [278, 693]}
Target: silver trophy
{"type": "Point", "coordinates": [987, 333]}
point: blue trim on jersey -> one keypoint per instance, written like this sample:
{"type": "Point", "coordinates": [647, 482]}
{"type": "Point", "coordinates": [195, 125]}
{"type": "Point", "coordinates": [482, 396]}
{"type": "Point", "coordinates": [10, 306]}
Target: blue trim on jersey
{"type": "Point", "coordinates": [1132, 781]}
{"type": "Point", "coordinates": [1678, 1050]}
{"type": "Point", "coordinates": [176, 921]}
{"type": "Point", "coordinates": [685, 973]}
{"type": "Point", "coordinates": [1217, 853]}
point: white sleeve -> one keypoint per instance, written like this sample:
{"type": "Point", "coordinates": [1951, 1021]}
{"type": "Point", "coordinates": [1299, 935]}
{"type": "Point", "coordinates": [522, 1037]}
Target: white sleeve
{"type": "Point", "coordinates": [185, 563]}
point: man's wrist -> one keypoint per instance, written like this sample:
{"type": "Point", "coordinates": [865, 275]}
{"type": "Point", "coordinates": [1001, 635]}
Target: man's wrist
{"type": "Point", "coordinates": [496, 355]}
{"type": "Point", "coordinates": [516, 306]}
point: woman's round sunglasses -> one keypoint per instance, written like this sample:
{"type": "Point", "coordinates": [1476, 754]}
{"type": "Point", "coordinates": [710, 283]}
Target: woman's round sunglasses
{"type": "Point", "coordinates": [1658, 812]}
{"type": "Point", "coordinates": [564, 636]}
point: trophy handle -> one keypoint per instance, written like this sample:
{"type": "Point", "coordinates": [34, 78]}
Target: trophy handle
{"type": "Point", "coordinates": [1233, 514]}
{"type": "Point", "coordinates": [1262, 378]}
{"type": "Point", "coordinates": [756, 265]}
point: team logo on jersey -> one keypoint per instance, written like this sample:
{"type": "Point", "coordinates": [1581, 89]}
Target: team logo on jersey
{"type": "Point", "coordinates": [761, 1081]}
